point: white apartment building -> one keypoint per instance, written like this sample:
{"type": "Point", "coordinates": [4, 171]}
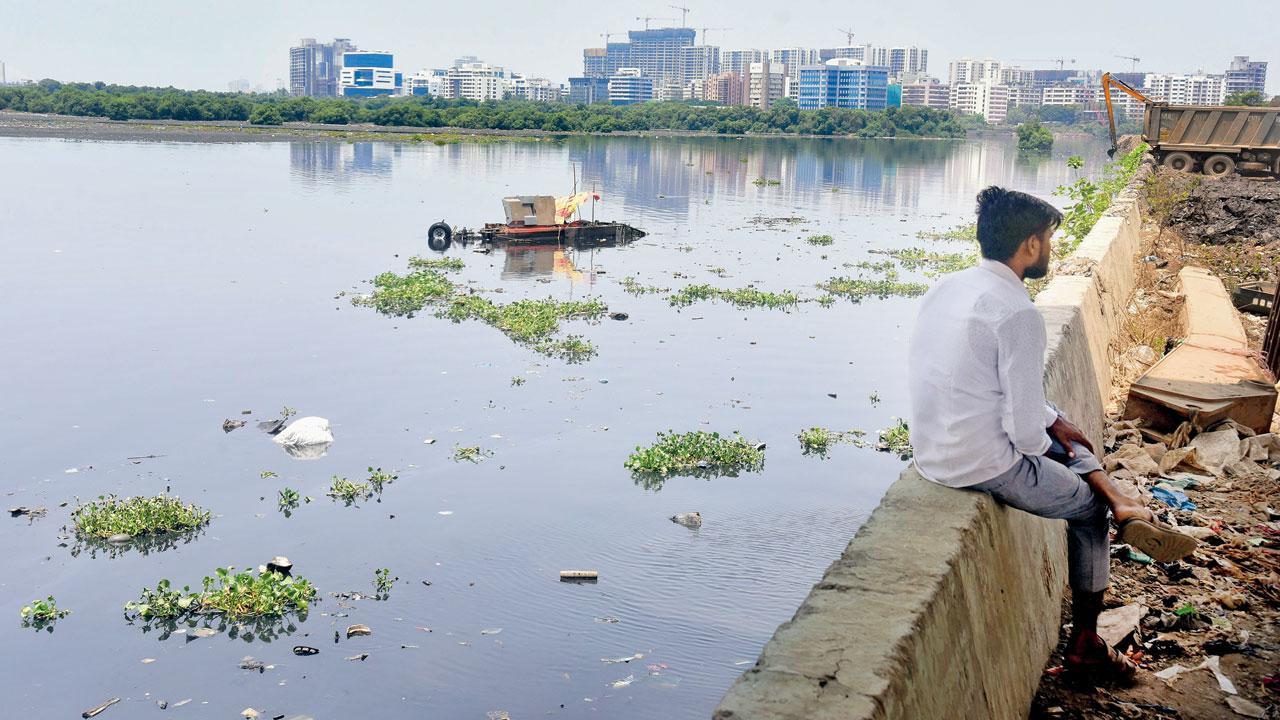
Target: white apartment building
{"type": "Point", "coordinates": [535, 89]}
{"type": "Point", "coordinates": [475, 81]}
{"type": "Point", "coordinates": [927, 94]}
{"type": "Point", "coordinates": [765, 83]}
{"type": "Point", "coordinates": [791, 60]}
{"type": "Point", "coordinates": [739, 61]}
{"type": "Point", "coordinates": [987, 99]}
{"type": "Point", "coordinates": [699, 62]}
{"type": "Point", "coordinates": [968, 71]}
{"type": "Point", "coordinates": [1072, 94]}
{"type": "Point", "coordinates": [1198, 89]}
{"type": "Point", "coordinates": [907, 60]}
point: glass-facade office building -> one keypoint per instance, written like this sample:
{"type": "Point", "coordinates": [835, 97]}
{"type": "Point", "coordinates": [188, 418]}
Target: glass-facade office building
{"type": "Point", "coordinates": [368, 74]}
{"type": "Point", "coordinates": [843, 83]}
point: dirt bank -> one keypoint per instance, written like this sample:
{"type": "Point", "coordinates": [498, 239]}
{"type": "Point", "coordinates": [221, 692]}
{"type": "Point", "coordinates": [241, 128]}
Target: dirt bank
{"type": "Point", "coordinates": [1224, 601]}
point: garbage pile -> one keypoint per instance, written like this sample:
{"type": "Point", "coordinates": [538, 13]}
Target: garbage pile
{"type": "Point", "coordinates": [1230, 209]}
{"type": "Point", "coordinates": [1204, 628]}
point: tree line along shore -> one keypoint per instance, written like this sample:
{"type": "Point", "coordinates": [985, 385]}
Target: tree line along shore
{"type": "Point", "coordinates": [119, 102]}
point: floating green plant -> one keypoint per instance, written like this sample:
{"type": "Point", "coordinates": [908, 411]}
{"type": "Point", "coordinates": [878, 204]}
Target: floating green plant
{"type": "Point", "coordinates": [573, 349]}
{"type": "Point", "coordinates": [405, 295]}
{"type": "Point", "coordinates": [470, 453]}
{"type": "Point", "coordinates": [288, 501]}
{"type": "Point", "coordinates": [110, 515]}
{"type": "Point", "coordinates": [383, 582]}
{"type": "Point", "coordinates": [896, 439]}
{"type": "Point", "coordinates": [349, 492]}
{"type": "Point", "coordinates": [858, 289]}
{"type": "Point", "coordinates": [42, 614]}
{"type": "Point", "coordinates": [631, 286]}
{"type": "Point", "coordinates": [694, 452]}
{"type": "Point", "coordinates": [741, 297]}
{"type": "Point", "coordinates": [236, 596]}
{"type": "Point", "coordinates": [378, 478]}
{"type": "Point", "coordinates": [820, 240]}
{"type": "Point", "coordinates": [932, 263]}
{"type": "Point", "coordinates": [818, 440]}
{"type": "Point", "coordinates": [447, 264]}
{"type": "Point", "coordinates": [516, 381]}
{"type": "Point", "coordinates": [966, 233]}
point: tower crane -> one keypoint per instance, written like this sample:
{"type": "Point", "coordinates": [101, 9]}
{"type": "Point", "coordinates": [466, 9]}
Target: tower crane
{"type": "Point", "coordinates": [1134, 60]}
{"type": "Point", "coordinates": [848, 37]}
{"type": "Point", "coordinates": [705, 29]}
{"type": "Point", "coordinates": [647, 19]}
{"type": "Point", "coordinates": [684, 14]}
{"type": "Point", "coordinates": [607, 35]}
{"type": "Point", "coordinates": [1059, 60]}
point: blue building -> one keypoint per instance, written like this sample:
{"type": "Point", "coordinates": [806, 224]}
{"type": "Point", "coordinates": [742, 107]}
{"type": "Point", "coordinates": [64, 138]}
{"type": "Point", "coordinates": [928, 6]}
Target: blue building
{"type": "Point", "coordinates": [843, 83]}
{"type": "Point", "coordinates": [628, 87]}
{"type": "Point", "coordinates": [368, 74]}
{"type": "Point", "coordinates": [588, 90]}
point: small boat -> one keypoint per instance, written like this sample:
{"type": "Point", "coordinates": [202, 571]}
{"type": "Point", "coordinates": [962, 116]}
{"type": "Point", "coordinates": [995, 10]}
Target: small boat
{"type": "Point", "coordinates": [540, 220]}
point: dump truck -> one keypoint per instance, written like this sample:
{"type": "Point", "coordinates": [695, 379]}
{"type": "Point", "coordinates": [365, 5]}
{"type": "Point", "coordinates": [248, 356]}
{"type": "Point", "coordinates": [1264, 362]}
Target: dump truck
{"type": "Point", "coordinates": [1216, 140]}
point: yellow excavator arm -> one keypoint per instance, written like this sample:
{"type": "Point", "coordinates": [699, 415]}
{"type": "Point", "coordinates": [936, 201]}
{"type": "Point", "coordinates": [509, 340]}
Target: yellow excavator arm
{"type": "Point", "coordinates": [1109, 82]}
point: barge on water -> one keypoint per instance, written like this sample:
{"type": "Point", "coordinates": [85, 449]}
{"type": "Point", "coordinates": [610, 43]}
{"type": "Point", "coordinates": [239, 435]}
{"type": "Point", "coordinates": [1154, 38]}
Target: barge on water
{"type": "Point", "coordinates": [540, 220]}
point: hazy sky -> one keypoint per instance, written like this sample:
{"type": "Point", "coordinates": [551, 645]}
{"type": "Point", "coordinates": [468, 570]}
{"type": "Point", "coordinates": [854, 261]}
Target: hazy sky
{"type": "Point", "coordinates": [208, 44]}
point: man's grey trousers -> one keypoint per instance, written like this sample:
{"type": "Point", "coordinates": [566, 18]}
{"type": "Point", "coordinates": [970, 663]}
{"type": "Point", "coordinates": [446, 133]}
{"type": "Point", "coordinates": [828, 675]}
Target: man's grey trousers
{"type": "Point", "coordinates": [1051, 486]}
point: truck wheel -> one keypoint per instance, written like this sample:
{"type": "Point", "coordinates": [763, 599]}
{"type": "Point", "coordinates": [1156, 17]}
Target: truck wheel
{"type": "Point", "coordinates": [1180, 161]}
{"type": "Point", "coordinates": [1219, 165]}
{"type": "Point", "coordinates": [439, 236]}
{"type": "Point", "coordinates": [1275, 166]}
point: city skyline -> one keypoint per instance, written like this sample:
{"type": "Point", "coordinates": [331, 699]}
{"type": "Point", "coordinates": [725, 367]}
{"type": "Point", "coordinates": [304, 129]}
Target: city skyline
{"type": "Point", "coordinates": [209, 47]}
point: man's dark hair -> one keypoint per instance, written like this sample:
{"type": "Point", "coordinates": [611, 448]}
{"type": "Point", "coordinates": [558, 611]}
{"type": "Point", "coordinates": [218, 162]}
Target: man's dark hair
{"type": "Point", "coordinates": [1007, 217]}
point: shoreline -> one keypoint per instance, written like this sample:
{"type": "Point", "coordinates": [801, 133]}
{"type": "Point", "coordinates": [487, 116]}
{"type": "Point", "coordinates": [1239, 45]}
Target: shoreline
{"type": "Point", "coordinates": [45, 125]}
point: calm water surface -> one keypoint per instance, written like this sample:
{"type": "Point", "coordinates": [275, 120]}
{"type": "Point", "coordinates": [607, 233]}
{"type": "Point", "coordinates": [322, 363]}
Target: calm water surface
{"type": "Point", "coordinates": [153, 290]}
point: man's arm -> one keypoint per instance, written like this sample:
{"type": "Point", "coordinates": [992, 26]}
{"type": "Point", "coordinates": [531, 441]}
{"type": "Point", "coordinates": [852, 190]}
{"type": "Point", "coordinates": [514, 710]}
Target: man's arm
{"type": "Point", "coordinates": [1020, 341]}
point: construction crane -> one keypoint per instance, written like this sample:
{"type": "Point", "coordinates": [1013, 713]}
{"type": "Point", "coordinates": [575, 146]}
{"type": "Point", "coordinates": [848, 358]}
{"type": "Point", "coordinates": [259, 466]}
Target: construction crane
{"type": "Point", "coordinates": [705, 29]}
{"type": "Point", "coordinates": [1134, 60]}
{"type": "Point", "coordinates": [684, 14]}
{"type": "Point", "coordinates": [848, 37]}
{"type": "Point", "coordinates": [607, 35]}
{"type": "Point", "coordinates": [647, 19]}
{"type": "Point", "coordinates": [1059, 60]}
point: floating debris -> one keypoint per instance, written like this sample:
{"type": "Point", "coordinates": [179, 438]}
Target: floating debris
{"type": "Point", "coordinates": [94, 711]}
{"type": "Point", "coordinates": [627, 659]}
{"type": "Point", "coordinates": [579, 575]}
{"type": "Point", "coordinates": [624, 682]}
{"type": "Point", "coordinates": [358, 630]}
{"type": "Point", "coordinates": [305, 650]}
{"type": "Point", "coordinates": [229, 425]}
{"type": "Point", "coordinates": [491, 631]}
{"type": "Point", "coordinates": [688, 519]}
{"type": "Point", "coordinates": [361, 657]}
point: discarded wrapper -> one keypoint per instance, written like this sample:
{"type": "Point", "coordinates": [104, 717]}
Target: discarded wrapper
{"type": "Point", "coordinates": [579, 575]}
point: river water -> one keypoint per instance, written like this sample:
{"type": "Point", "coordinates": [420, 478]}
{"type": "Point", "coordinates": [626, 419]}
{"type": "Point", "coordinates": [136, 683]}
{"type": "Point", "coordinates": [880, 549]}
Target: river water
{"type": "Point", "coordinates": [154, 289]}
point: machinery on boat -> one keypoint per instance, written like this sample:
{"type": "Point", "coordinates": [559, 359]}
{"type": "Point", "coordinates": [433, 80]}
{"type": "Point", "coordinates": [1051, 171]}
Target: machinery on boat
{"type": "Point", "coordinates": [540, 220]}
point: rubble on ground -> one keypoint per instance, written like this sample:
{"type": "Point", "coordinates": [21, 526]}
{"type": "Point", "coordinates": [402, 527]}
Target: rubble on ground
{"type": "Point", "coordinates": [1230, 209]}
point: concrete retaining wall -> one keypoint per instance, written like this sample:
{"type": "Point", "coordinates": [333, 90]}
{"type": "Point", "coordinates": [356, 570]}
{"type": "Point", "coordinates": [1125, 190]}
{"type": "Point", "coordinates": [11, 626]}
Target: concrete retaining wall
{"type": "Point", "coordinates": [946, 605]}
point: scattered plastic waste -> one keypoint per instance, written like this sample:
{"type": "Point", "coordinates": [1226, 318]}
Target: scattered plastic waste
{"type": "Point", "coordinates": [97, 709]}
{"type": "Point", "coordinates": [305, 650]}
{"type": "Point", "coordinates": [688, 519]}
{"type": "Point", "coordinates": [624, 682]}
{"type": "Point", "coordinates": [579, 575]}
{"type": "Point", "coordinates": [358, 630]}
{"type": "Point", "coordinates": [1172, 497]}
{"type": "Point", "coordinates": [627, 659]}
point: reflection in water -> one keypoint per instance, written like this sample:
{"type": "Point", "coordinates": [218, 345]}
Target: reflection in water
{"type": "Point", "coordinates": [669, 177]}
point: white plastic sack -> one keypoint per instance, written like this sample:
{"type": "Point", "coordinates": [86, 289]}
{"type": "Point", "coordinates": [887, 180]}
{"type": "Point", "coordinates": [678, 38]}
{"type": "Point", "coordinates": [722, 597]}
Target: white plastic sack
{"type": "Point", "coordinates": [306, 431]}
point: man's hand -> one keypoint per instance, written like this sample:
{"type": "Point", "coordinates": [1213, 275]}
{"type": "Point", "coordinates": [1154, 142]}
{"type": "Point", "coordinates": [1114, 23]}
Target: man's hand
{"type": "Point", "coordinates": [1066, 433]}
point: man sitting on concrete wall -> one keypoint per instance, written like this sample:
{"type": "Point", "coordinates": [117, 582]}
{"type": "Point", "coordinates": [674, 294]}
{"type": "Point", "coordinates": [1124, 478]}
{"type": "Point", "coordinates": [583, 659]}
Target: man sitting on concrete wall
{"type": "Point", "coordinates": [980, 419]}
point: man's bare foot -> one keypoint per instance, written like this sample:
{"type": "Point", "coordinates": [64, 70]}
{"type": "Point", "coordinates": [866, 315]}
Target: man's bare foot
{"type": "Point", "coordinates": [1131, 510]}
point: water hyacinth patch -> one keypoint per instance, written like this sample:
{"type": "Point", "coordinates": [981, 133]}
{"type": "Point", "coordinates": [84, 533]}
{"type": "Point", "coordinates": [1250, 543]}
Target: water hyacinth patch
{"type": "Point", "coordinates": [42, 614]}
{"type": "Point", "coordinates": [470, 453]}
{"type": "Point", "coordinates": [896, 439]}
{"type": "Point", "coordinates": [631, 286]}
{"type": "Point", "coordinates": [742, 297]}
{"type": "Point", "coordinates": [822, 240]}
{"type": "Point", "coordinates": [573, 349]}
{"type": "Point", "coordinates": [818, 440]}
{"type": "Point", "coordinates": [405, 295]}
{"type": "Point", "coordinates": [241, 595]}
{"type": "Point", "coordinates": [349, 492]}
{"type": "Point", "coordinates": [858, 289]}
{"type": "Point", "coordinates": [696, 452]}
{"type": "Point", "coordinates": [110, 515]}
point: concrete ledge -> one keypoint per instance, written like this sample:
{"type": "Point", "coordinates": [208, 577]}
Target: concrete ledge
{"type": "Point", "coordinates": [946, 605]}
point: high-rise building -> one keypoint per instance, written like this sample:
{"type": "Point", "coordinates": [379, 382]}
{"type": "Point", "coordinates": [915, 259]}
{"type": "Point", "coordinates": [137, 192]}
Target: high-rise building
{"type": "Point", "coordinates": [968, 71]}
{"type": "Point", "coordinates": [315, 68]}
{"type": "Point", "coordinates": [908, 60]}
{"type": "Point", "coordinates": [425, 82]}
{"type": "Point", "coordinates": [1067, 94]}
{"type": "Point", "coordinates": [657, 53]}
{"type": "Point", "coordinates": [724, 88]}
{"type": "Point", "coordinates": [927, 94]}
{"type": "Point", "coordinates": [1199, 89]}
{"type": "Point", "coordinates": [1244, 75]}
{"type": "Point", "coordinates": [792, 59]}
{"type": "Point", "coordinates": [369, 74]}
{"type": "Point", "coordinates": [739, 61]}
{"type": "Point", "coordinates": [593, 62]}
{"type": "Point", "coordinates": [764, 84]}
{"type": "Point", "coordinates": [629, 86]}
{"type": "Point", "coordinates": [588, 90]}
{"type": "Point", "coordinates": [983, 98]}
{"type": "Point", "coordinates": [699, 62]}
{"type": "Point", "coordinates": [843, 83]}
{"type": "Point", "coordinates": [471, 79]}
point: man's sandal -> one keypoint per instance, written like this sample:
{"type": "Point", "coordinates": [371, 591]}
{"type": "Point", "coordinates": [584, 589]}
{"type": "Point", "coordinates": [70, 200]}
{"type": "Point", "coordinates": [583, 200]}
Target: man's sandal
{"type": "Point", "coordinates": [1160, 541]}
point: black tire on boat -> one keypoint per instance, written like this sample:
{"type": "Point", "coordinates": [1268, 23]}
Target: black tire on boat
{"type": "Point", "coordinates": [439, 237]}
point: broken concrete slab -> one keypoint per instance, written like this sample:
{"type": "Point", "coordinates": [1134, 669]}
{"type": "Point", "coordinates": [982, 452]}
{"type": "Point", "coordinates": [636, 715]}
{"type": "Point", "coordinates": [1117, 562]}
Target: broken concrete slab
{"type": "Point", "coordinates": [1211, 375]}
